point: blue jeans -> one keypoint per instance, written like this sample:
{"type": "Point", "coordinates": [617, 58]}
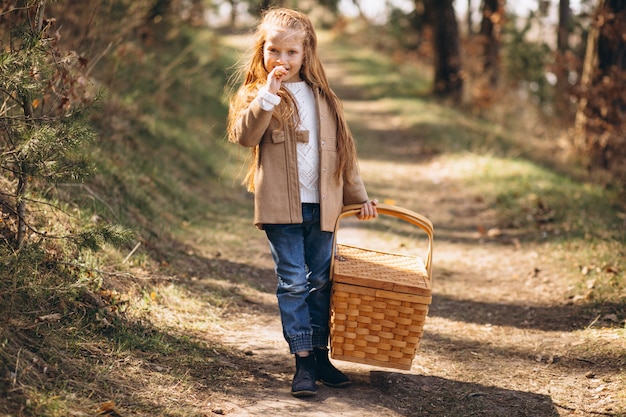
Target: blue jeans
{"type": "Point", "coordinates": [302, 254]}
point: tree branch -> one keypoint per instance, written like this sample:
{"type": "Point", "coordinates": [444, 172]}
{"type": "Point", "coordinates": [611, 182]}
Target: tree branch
{"type": "Point", "coordinates": [93, 194]}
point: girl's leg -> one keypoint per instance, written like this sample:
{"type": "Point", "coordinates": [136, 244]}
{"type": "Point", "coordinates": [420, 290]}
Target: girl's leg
{"type": "Point", "coordinates": [318, 255]}
{"type": "Point", "coordinates": [318, 252]}
{"type": "Point", "coordinates": [302, 255]}
{"type": "Point", "coordinates": [287, 248]}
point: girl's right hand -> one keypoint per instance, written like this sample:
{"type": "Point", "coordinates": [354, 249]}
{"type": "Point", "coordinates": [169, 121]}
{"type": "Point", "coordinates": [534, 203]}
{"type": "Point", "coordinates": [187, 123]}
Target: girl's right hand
{"type": "Point", "coordinates": [275, 79]}
{"type": "Point", "coordinates": [368, 210]}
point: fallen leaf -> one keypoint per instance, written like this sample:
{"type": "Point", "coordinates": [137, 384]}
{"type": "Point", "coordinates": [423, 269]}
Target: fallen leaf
{"type": "Point", "coordinates": [106, 407]}
{"type": "Point", "coordinates": [49, 317]}
{"type": "Point", "coordinates": [583, 297]}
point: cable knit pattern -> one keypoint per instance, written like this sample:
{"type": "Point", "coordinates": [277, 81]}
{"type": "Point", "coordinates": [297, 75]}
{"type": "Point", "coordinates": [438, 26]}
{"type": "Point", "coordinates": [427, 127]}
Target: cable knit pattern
{"type": "Point", "coordinates": [308, 153]}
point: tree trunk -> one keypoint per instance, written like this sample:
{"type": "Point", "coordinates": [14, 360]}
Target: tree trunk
{"type": "Point", "coordinates": [562, 93]}
{"type": "Point", "coordinates": [20, 198]}
{"type": "Point", "coordinates": [233, 13]}
{"type": "Point", "coordinates": [470, 30]}
{"type": "Point", "coordinates": [22, 179]}
{"type": "Point", "coordinates": [22, 182]}
{"type": "Point", "coordinates": [589, 65]}
{"type": "Point", "coordinates": [601, 115]}
{"type": "Point", "coordinates": [448, 81]}
{"type": "Point", "coordinates": [562, 38]}
{"type": "Point", "coordinates": [490, 30]}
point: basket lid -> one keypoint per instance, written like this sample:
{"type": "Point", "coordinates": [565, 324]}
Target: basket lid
{"type": "Point", "coordinates": [381, 270]}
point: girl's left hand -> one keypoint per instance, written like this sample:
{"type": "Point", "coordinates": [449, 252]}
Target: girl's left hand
{"type": "Point", "coordinates": [368, 210]}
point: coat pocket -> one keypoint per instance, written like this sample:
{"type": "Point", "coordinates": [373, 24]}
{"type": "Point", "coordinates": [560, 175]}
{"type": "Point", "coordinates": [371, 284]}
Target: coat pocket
{"type": "Point", "coordinates": [278, 136]}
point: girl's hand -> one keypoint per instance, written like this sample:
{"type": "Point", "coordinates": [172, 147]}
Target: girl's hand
{"type": "Point", "coordinates": [368, 210]}
{"type": "Point", "coordinates": [275, 79]}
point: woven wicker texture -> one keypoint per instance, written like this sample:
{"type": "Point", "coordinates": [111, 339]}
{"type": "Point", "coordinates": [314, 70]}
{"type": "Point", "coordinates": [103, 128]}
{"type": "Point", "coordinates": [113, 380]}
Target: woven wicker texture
{"type": "Point", "coordinates": [380, 270]}
{"type": "Point", "coordinates": [375, 327]}
{"type": "Point", "coordinates": [379, 300]}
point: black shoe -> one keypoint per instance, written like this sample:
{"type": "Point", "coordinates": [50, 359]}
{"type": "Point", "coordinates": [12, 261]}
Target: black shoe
{"type": "Point", "coordinates": [303, 384]}
{"type": "Point", "coordinates": [327, 373]}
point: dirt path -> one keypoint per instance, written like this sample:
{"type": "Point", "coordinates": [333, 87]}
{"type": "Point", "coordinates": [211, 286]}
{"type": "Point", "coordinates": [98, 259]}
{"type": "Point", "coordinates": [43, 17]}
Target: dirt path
{"type": "Point", "coordinates": [501, 339]}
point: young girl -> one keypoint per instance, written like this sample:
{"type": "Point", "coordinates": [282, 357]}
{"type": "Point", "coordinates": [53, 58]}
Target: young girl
{"type": "Point", "coordinates": [303, 171]}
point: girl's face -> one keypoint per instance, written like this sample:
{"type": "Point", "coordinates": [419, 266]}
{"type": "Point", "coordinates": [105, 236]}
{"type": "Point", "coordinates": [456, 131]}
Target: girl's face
{"type": "Point", "coordinates": [284, 47]}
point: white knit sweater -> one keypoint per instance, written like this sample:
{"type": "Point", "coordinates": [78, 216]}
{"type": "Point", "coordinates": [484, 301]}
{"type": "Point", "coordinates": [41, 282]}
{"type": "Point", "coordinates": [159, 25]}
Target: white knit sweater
{"type": "Point", "coordinates": [308, 152]}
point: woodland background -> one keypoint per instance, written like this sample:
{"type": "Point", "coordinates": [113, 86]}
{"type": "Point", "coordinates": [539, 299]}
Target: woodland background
{"type": "Point", "coordinates": [112, 122]}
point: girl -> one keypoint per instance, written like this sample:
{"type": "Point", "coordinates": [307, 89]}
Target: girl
{"type": "Point", "coordinates": [303, 170]}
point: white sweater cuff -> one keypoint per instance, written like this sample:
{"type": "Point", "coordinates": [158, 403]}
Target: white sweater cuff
{"type": "Point", "coordinates": [268, 100]}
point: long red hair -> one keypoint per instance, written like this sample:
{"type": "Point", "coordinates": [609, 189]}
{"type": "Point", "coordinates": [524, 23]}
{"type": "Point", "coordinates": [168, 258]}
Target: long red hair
{"type": "Point", "coordinates": [312, 72]}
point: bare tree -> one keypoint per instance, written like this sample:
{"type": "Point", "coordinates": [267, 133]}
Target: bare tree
{"type": "Point", "coordinates": [490, 34]}
{"type": "Point", "coordinates": [448, 81]}
{"type": "Point", "coordinates": [561, 96]}
{"type": "Point", "coordinates": [468, 17]}
{"type": "Point", "coordinates": [600, 127]}
{"type": "Point", "coordinates": [233, 13]}
{"type": "Point", "coordinates": [565, 17]}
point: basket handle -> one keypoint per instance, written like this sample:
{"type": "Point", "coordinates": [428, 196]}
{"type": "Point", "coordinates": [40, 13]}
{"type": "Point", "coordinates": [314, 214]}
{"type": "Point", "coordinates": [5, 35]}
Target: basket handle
{"type": "Point", "coordinates": [394, 211]}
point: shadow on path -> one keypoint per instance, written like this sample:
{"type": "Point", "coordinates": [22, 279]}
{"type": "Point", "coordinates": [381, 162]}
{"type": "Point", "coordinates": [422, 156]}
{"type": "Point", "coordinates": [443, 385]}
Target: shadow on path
{"type": "Point", "coordinates": [421, 396]}
{"type": "Point", "coordinates": [563, 317]}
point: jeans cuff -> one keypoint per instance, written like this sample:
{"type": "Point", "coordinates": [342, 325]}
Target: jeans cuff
{"type": "Point", "coordinates": [320, 338]}
{"type": "Point", "coordinates": [300, 343]}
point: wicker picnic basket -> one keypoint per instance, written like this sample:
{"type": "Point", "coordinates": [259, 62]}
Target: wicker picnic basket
{"type": "Point", "coordinates": [379, 300]}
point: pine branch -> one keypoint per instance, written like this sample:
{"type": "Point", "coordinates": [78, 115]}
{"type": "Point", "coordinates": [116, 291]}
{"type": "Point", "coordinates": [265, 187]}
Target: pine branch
{"type": "Point", "coordinates": [93, 194]}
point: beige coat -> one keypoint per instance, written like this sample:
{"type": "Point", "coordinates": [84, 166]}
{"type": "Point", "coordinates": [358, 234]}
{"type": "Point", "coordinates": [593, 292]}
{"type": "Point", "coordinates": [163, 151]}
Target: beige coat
{"type": "Point", "coordinates": [276, 183]}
